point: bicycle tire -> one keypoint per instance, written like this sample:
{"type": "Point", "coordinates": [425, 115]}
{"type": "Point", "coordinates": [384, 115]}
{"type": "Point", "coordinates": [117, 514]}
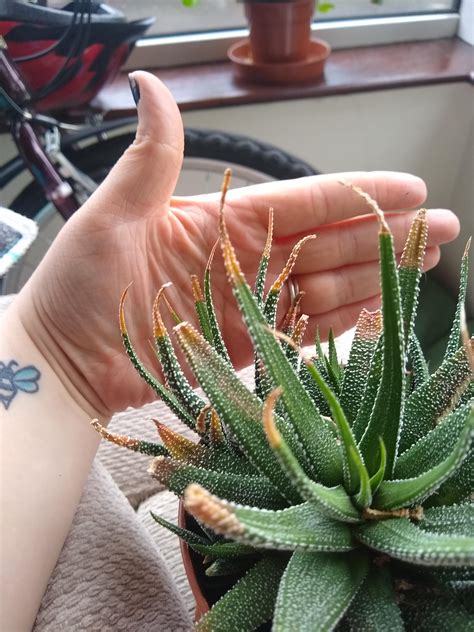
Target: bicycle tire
{"type": "Point", "coordinates": [229, 149]}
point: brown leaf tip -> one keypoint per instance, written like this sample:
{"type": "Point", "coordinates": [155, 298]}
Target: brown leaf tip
{"type": "Point", "coordinates": [196, 289]}
{"type": "Point", "coordinates": [369, 325]}
{"type": "Point", "coordinates": [285, 273]}
{"type": "Point", "coordinates": [162, 468]}
{"type": "Point", "coordinates": [414, 251]}
{"type": "Point", "coordinates": [159, 329]}
{"type": "Point", "coordinates": [271, 431]}
{"type": "Point", "coordinates": [466, 249]}
{"type": "Point", "coordinates": [213, 512]}
{"type": "Point", "coordinates": [268, 243]}
{"type": "Point", "coordinates": [121, 440]}
{"type": "Point", "coordinates": [371, 203]}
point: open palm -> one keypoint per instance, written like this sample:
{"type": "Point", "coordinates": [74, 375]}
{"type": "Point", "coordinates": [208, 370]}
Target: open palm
{"type": "Point", "coordinates": [132, 229]}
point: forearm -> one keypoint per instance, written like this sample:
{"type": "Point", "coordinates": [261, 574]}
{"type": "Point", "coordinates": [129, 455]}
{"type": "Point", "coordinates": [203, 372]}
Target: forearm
{"type": "Point", "coordinates": [47, 447]}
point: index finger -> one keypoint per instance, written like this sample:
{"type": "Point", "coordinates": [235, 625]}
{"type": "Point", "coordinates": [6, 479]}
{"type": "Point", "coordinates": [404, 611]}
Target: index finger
{"type": "Point", "coordinates": [303, 204]}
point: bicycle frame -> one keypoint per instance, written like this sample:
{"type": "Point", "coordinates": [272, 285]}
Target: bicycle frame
{"type": "Point", "coordinates": [27, 136]}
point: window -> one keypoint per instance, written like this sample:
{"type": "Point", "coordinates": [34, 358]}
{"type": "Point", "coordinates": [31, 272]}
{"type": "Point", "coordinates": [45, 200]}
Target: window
{"type": "Point", "coordinates": [183, 35]}
{"type": "Point", "coordinates": [212, 15]}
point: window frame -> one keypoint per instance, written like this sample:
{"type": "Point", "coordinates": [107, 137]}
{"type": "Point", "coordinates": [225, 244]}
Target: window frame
{"type": "Point", "coordinates": [178, 50]}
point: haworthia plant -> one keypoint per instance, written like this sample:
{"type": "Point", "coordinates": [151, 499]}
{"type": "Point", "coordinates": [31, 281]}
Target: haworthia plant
{"type": "Point", "coordinates": [339, 497]}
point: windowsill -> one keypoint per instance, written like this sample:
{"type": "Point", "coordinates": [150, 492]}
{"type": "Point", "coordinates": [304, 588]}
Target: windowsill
{"type": "Point", "coordinates": [349, 70]}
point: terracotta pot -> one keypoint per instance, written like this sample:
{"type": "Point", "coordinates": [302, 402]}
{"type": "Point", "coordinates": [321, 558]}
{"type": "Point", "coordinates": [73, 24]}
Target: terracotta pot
{"type": "Point", "coordinates": [279, 31]}
{"type": "Point", "coordinates": [202, 605]}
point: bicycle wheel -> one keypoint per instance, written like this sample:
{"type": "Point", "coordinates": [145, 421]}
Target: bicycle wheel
{"type": "Point", "coordinates": [207, 154]}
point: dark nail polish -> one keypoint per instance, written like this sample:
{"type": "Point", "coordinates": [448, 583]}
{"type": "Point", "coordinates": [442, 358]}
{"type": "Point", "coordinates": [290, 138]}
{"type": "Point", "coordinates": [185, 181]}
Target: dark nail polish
{"type": "Point", "coordinates": [135, 88]}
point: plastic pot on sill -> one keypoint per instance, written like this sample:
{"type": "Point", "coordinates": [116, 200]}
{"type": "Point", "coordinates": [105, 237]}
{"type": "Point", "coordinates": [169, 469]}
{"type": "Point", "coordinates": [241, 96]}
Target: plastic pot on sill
{"type": "Point", "coordinates": [279, 31]}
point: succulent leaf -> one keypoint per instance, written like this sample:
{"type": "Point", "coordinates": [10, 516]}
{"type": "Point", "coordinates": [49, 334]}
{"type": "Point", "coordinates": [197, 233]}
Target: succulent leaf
{"type": "Point", "coordinates": [434, 446]}
{"type": "Point", "coordinates": [239, 409]}
{"type": "Point", "coordinates": [185, 534]}
{"type": "Point", "coordinates": [333, 501]}
{"type": "Point", "coordinates": [249, 603]}
{"type": "Point", "coordinates": [218, 341]}
{"type": "Point", "coordinates": [166, 395]}
{"type": "Point", "coordinates": [316, 590]}
{"type": "Point", "coordinates": [367, 332]}
{"type": "Point", "coordinates": [136, 445]}
{"type": "Point", "coordinates": [399, 493]}
{"type": "Point", "coordinates": [174, 375]}
{"type": "Point", "coordinates": [435, 398]}
{"type": "Point", "coordinates": [305, 418]}
{"type": "Point", "coordinates": [374, 608]}
{"type": "Point", "coordinates": [425, 612]}
{"type": "Point", "coordinates": [201, 309]}
{"type": "Point", "coordinates": [417, 365]}
{"type": "Point", "coordinates": [409, 271]}
{"type": "Point", "coordinates": [249, 490]}
{"type": "Point", "coordinates": [356, 469]}
{"type": "Point", "coordinates": [264, 261]}
{"type": "Point", "coordinates": [455, 335]}
{"type": "Point", "coordinates": [271, 300]}
{"type": "Point", "coordinates": [223, 550]}
{"type": "Point", "coordinates": [456, 519]}
{"type": "Point", "coordinates": [222, 566]}
{"type": "Point", "coordinates": [401, 539]}
{"type": "Point", "coordinates": [387, 412]}
{"type": "Point", "coordinates": [301, 527]}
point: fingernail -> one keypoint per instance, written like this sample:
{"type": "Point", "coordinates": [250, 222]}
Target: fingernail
{"type": "Point", "coordinates": [134, 87]}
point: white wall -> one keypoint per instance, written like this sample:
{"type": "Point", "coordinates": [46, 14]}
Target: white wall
{"type": "Point", "coordinates": [425, 130]}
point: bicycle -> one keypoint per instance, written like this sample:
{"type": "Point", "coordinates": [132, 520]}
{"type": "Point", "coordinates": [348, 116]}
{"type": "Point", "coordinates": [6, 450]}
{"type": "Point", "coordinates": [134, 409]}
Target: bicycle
{"type": "Point", "coordinates": [68, 158]}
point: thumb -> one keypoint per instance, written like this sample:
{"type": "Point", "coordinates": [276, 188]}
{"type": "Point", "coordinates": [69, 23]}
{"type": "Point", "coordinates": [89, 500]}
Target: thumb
{"type": "Point", "coordinates": [144, 178]}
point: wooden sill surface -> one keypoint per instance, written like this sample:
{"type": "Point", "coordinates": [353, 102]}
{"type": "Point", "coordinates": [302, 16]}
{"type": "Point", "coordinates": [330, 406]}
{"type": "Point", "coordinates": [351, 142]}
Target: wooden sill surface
{"type": "Point", "coordinates": [350, 70]}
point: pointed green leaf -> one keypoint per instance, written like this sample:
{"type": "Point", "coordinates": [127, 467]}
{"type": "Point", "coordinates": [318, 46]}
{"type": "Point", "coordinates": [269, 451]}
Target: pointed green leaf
{"type": "Point", "coordinates": [358, 475]}
{"type": "Point", "coordinates": [435, 398]}
{"type": "Point", "coordinates": [458, 488]}
{"type": "Point", "coordinates": [433, 447]}
{"type": "Point", "coordinates": [454, 341]}
{"type": "Point", "coordinates": [184, 534]}
{"type": "Point", "coordinates": [166, 395]}
{"type": "Point", "coordinates": [417, 365]}
{"type": "Point", "coordinates": [264, 261]}
{"type": "Point", "coordinates": [224, 550]}
{"type": "Point", "coordinates": [374, 608]}
{"type": "Point", "coordinates": [316, 589]}
{"type": "Point", "coordinates": [387, 412]}
{"type": "Point", "coordinates": [299, 527]}
{"type": "Point", "coordinates": [355, 374]}
{"type": "Point", "coordinates": [370, 392]}
{"type": "Point", "coordinates": [249, 603]}
{"type": "Point", "coordinates": [333, 359]}
{"type": "Point", "coordinates": [313, 433]}
{"type": "Point", "coordinates": [238, 408]}
{"type": "Point", "coordinates": [218, 343]}
{"type": "Point", "coordinates": [331, 501]}
{"type": "Point", "coordinates": [456, 519]}
{"type": "Point", "coordinates": [253, 490]}
{"type": "Point", "coordinates": [379, 475]}
{"type": "Point", "coordinates": [401, 539]}
{"type": "Point", "coordinates": [400, 493]}
{"type": "Point", "coordinates": [201, 310]}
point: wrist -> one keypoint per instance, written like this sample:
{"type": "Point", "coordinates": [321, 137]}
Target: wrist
{"type": "Point", "coordinates": [27, 334]}
{"type": "Point", "coordinates": [27, 342]}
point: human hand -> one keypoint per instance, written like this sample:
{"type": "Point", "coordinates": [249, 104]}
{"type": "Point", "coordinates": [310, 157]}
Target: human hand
{"type": "Point", "coordinates": [133, 229]}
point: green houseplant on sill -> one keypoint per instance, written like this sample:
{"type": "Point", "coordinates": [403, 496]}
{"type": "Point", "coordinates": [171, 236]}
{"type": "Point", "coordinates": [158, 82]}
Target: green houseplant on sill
{"type": "Point", "coordinates": [329, 496]}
